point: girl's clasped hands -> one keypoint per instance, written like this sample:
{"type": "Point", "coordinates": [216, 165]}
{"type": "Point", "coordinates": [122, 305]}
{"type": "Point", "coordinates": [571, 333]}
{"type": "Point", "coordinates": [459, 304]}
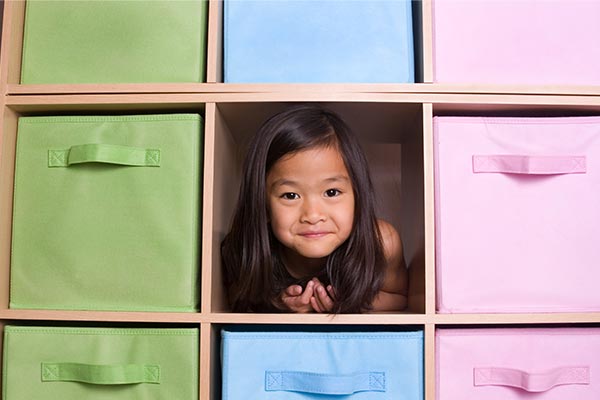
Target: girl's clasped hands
{"type": "Point", "coordinates": [316, 297]}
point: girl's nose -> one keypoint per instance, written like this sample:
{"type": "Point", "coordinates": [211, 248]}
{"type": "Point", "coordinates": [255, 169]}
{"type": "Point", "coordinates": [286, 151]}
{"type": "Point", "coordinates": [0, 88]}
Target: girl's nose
{"type": "Point", "coordinates": [312, 212]}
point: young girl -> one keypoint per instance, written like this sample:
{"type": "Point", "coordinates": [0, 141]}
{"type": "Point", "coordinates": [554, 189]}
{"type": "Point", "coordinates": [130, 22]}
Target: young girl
{"type": "Point", "coordinates": [304, 236]}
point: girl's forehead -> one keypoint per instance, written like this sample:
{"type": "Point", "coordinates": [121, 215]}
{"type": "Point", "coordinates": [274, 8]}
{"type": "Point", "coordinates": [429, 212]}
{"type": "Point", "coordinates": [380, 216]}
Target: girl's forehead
{"type": "Point", "coordinates": [314, 164]}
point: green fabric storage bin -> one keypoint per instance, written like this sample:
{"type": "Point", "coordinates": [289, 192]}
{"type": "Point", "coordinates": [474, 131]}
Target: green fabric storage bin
{"type": "Point", "coordinates": [68, 363]}
{"type": "Point", "coordinates": [106, 213]}
{"type": "Point", "coordinates": [135, 41]}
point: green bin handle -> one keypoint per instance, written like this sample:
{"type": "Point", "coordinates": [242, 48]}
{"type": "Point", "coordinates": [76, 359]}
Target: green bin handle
{"type": "Point", "coordinates": [104, 153]}
{"type": "Point", "coordinates": [124, 374]}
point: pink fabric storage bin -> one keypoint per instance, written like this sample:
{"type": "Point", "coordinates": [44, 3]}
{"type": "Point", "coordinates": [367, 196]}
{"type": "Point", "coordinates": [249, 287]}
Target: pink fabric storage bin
{"type": "Point", "coordinates": [530, 42]}
{"type": "Point", "coordinates": [517, 213]}
{"type": "Point", "coordinates": [511, 364]}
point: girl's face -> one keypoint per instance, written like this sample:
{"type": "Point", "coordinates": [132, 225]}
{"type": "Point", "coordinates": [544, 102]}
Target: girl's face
{"type": "Point", "coordinates": [311, 202]}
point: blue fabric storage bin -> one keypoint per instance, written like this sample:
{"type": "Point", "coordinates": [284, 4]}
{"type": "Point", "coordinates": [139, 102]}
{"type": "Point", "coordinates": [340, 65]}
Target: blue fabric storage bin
{"type": "Point", "coordinates": [322, 365]}
{"type": "Point", "coordinates": [352, 41]}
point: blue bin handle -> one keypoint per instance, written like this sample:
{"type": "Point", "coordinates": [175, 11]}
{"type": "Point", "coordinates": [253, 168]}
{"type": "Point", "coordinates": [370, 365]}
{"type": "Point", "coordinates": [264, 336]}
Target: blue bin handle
{"type": "Point", "coordinates": [332, 384]}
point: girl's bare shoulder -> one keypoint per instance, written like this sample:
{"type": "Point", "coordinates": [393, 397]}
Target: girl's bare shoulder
{"type": "Point", "coordinates": [390, 239]}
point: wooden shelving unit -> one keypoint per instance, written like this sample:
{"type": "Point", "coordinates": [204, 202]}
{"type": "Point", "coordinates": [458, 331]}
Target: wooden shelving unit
{"type": "Point", "coordinates": [394, 122]}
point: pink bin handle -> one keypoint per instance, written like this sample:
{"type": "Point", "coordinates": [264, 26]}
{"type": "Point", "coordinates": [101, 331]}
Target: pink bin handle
{"type": "Point", "coordinates": [530, 382]}
{"type": "Point", "coordinates": [531, 165]}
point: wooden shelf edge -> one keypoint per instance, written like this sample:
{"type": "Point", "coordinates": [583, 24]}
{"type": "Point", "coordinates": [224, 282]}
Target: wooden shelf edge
{"type": "Point", "coordinates": [319, 319]}
{"type": "Point", "coordinates": [294, 319]}
{"type": "Point", "coordinates": [102, 316]}
{"type": "Point", "coordinates": [440, 101]}
{"type": "Point", "coordinates": [440, 88]}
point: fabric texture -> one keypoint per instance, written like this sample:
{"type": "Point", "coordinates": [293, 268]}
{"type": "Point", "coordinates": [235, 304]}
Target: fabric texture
{"type": "Point", "coordinates": [73, 363]}
{"type": "Point", "coordinates": [114, 41]}
{"type": "Point", "coordinates": [516, 210]}
{"type": "Point", "coordinates": [322, 365]}
{"type": "Point", "coordinates": [115, 230]}
{"type": "Point", "coordinates": [517, 363]}
{"type": "Point", "coordinates": [518, 42]}
{"type": "Point", "coordinates": [318, 41]}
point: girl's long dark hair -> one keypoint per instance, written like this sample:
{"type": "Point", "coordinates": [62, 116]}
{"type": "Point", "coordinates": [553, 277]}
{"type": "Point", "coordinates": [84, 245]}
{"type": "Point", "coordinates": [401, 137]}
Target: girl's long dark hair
{"type": "Point", "coordinates": [253, 270]}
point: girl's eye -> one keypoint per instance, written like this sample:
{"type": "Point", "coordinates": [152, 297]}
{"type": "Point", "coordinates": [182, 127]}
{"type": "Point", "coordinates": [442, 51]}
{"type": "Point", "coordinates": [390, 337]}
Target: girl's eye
{"type": "Point", "coordinates": [290, 196]}
{"type": "Point", "coordinates": [332, 192]}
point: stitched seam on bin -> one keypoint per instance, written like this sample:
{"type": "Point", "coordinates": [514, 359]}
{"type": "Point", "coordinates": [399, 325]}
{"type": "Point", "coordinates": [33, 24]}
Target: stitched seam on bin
{"type": "Point", "coordinates": [197, 205]}
{"type": "Point", "coordinates": [106, 331]}
{"type": "Point", "coordinates": [437, 220]}
{"type": "Point", "coordinates": [433, 57]}
{"type": "Point", "coordinates": [95, 307]}
{"type": "Point", "coordinates": [517, 332]}
{"type": "Point", "coordinates": [523, 120]}
{"type": "Point", "coordinates": [111, 118]}
{"type": "Point", "coordinates": [377, 380]}
{"type": "Point", "coordinates": [520, 309]}
{"type": "Point", "coordinates": [7, 330]}
{"type": "Point", "coordinates": [25, 50]}
{"type": "Point", "coordinates": [14, 212]}
{"type": "Point", "coordinates": [225, 41]}
{"type": "Point", "coordinates": [152, 372]}
{"type": "Point", "coordinates": [196, 350]}
{"type": "Point", "coordinates": [224, 357]}
{"type": "Point", "coordinates": [408, 33]}
{"type": "Point", "coordinates": [302, 336]}
{"type": "Point", "coordinates": [153, 157]}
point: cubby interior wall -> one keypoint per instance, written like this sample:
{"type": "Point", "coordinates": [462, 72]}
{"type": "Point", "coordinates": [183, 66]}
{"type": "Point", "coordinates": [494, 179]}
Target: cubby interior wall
{"type": "Point", "coordinates": [391, 135]}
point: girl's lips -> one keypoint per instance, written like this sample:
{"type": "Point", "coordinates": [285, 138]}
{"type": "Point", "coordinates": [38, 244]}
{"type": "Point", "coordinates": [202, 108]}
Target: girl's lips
{"type": "Point", "coordinates": [311, 235]}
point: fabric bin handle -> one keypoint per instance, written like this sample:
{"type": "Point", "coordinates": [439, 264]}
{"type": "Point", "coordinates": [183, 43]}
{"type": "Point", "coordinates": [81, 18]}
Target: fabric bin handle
{"type": "Point", "coordinates": [331, 384]}
{"type": "Point", "coordinates": [104, 153]}
{"type": "Point", "coordinates": [124, 374]}
{"type": "Point", "coordinates": [529, 165]}
{"type": "Point", "coordinates": [530, 382]}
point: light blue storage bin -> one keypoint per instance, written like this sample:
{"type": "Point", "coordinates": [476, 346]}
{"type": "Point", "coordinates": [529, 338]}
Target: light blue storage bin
{"type": "Point", "coordinates": [322, 365]}
{"type": "Point", "coordinates": [318, 41]}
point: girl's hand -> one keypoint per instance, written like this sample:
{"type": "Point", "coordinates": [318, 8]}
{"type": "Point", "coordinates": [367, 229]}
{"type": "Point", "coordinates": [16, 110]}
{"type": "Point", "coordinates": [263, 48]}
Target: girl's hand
{"type": "Point", "coordinates": [322, 300]}
{"type": "Point", "coordinates": [297, 300]}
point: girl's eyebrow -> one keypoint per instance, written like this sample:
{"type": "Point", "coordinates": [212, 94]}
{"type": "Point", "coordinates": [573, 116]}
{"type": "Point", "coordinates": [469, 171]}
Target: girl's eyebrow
{"type": "Point", "coordinates": [337, 178]}
{"type": "Point", "coordinates": [289, 182]}
{"type": "Point", "coordinates": [282, 182]}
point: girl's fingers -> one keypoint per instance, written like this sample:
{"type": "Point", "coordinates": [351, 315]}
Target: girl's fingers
{"type": "Point", "coordinates": [331, 291]}
{"type": "Point", "coordinates": [324, 299]}
{"type": "Point", "coordinates": [293, 290]}
{"type": "Point", "coordinates": [315, 305]}
{"type": "Point", "coordinates": [308, 293]}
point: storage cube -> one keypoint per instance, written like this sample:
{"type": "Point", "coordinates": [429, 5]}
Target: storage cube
{"type": "Point", "coordinates": [516, 364]}
{"type": "Point", "coordinates": [516, 204]}
{"type": "Point", "coordinates": [318, 41]}
{"type": "Point", "coordinates": [71, 363]}
{"type": "Point", "coordinates": [106, 212]}
{"type": "Point", "coordinates": [516, 42]}
{"type": "Point", "coordinates": [100, 41]}
{"type": "Point", "coordinates": [322, 365]}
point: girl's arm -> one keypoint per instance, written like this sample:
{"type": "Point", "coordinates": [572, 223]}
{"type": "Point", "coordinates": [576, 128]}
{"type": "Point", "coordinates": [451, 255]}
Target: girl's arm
{"type": "Point", "coordinates": [394, 291]}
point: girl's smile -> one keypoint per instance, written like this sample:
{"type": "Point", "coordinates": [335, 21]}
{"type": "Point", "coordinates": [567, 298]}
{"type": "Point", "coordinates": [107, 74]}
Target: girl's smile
{"type": "Point", "coordinates": [311, 204]}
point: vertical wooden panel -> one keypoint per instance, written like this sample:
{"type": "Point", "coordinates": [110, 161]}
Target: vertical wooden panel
{"type": "Point", "coordinates": [205, 361]}
{"type": "Point", "coordinates": [429, 209]}
{"type": "Point", "coordinates": [430, 362]}
{"type": "Point", "coordinates": [227, 171]}
{"type": "Point", "coordinates": [207, 208]}
{"type": "Point", "coordinates": [12, 42]}
{"type": "Point", "coordinates": [214, 67]}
